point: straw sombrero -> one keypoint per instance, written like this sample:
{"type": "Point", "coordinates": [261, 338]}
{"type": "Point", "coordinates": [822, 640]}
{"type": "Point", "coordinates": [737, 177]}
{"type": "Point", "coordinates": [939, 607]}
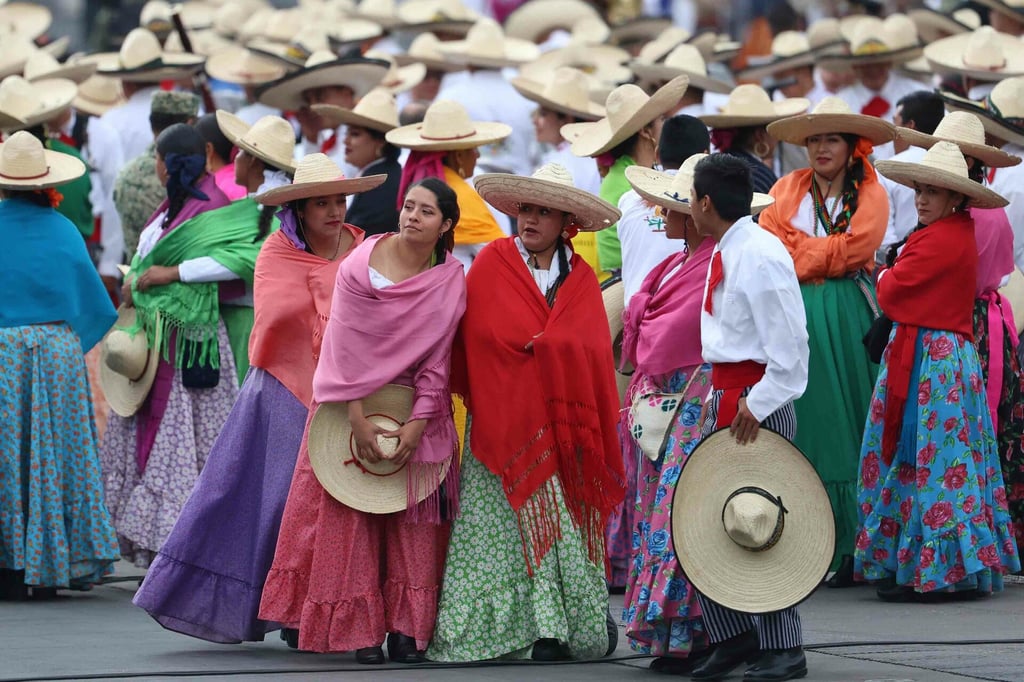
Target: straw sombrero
{"type": "Point", "coordinates": [603, 64]}
{"type": "Point", "coordinates": [790, 50]}
{"type": "Point", "coordinates": [98, 95]}
{"type": "Point", "coordinates": [831, 115]}
{"type": "Point", "coordinates": [629, 109]}
{"type": "Point", "coordinates": [426, 49]}
{"type": "Point", "coordinates": [350, 33]}
{"type": "Point", "coordinates": [589, 31]}
{"type": "Point", "coordinates": [943, 166]}
{"type": "Point", "coordinates": [638, 29]}
{"type": "Point", "coordinates": [673, 191]}
{"type": "Point", "coordinates": [449, 17]}
{"type": "Point", "coordinates": [42, 66]}
{"type": "Point", "coordinates": [26, 105]}
{"type": "Point", "coordinates": [613, 295]}
{"type": "Point", "coordinates": [1001, 112]}
{"type": "Point", "coordinates": [377, 111]}
{"type": "Point", "coordinates": [750, 105]}
{"type": "Point", "coordinates": [826, 38]}
{"type": "Point", "coordinates": [967, 132]}
{"type": "Point", "coordinates": [1013, 292]}
{"type": "Point", "coordinates": [536, 19]}
{"type": "Point", "coordinates": [25, 164]}
{"type": "Point", "coordinates": [984, 54]}
{"type": "Point", "coordinates": [25, 20]}
{"type": "Point", "coordinates": [270, 139]}
{"type": "Point", "coordinates": [487, 46]}
{"type": "Point", "coordinates": [566, 92]}
{"type": "Point", "coordinates": [933, 25]}
{"type": "Point", "coordinates": [874, 41]}
{"type": "Point", "coordinates": [15, 54]}
{"type": "Point", "coordinates": [683, 60]}
{"type": "Point", "coordinates": [128, 364]}
{"type": "Point", "coordinates": [447, 127]}
{"type": "Point", "coordinates": [243, 67]}
{"type": "Point", "coordinates": [141, 59]}
{"type": "Point", "coordinates": [752, 524]}
{"type": "Point", "coordinates": [672, 37]}
{"type": "Point", "coordinates": [381, 12]}
{"type": "Point", "coordinates": [550, 186]}
{"type": "Point", "coordinates": [318, 176]}
{"type": "Point", "coordinates": [373, 488]}
{"type": "Point", "coordinates": [398, 79]}
{"type": "Point", "coordinates": [322, 69]}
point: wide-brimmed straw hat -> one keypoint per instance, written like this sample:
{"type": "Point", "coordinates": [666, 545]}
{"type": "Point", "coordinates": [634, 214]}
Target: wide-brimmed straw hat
{"type": "Point", "coordinates": [831, 115]}
{"type": "Point", "coordinates": [487, 46]}
{"type": "Point", "coordinates": [446, 126]}
{"type": "Point", "coordinates": [875, 41]}
{"type": "Point", "coordinates": [318, 176]}
{"type": "Point", "coordinates": [673, 191]}
{"type": "Point", "coordinates": [24, 19]}
{"type": "Point", "coordinates": [603, 64]}
{"type": "Point", "coordinates": [629, 109]}
{"type": "Point", "coordinates": [142, 59]}
{"type": "Point", "coordinates": [398, 79]}
{"type": "Point", "coordinates": [984, 54]}
{"type": "Point", "coordinates": [449, 17]}
{"type": "Point", "coordinates": [637, 30]}
{"type": "Point", "coordinates": [613, 295]}
{"type": "Point", "coordinates": [380, 488]}
{"type": "Point", "coordinates": [25, 164]}
{"type": "Point", "coordinates": [42, 66]}
{"type": "Point", "coordinates": [567, 92]}
{"type": "Point", "coordinates": [350, 33]}
{"type": "Point", "coordinates": [826, 38]}
{"type": "Point", "coordinates": [426, 49]}
{"type": "Point", "coordinates": [243, 67]}
{"type": "Point", "coordinates": [750, 105]}
{"type": "Point", "coordinates": [128, 364]}
{"type": "Point", "coordinates": [98, 95]}
{"type": "Point", "coordinates": [933, 25]}
{"type": "Point", "coordinates": [322, 69]}
{"type": "Point", "coordinates": [25, 105]}
{"type": "Point", "coordinates": [790, 49]}
{"type": "Point", "coordinates": [684, 59]}
{"type": "Point", "coordinates": [1001, 111]}
{"type": "Point", "coordinates": [270, 139]}
{"type": "Point", "coordinates": [943, 166]}
{"type": "Point", "coordinates": [535, 19]}
{"type": "Point", "coordinates": [382, 12]}
{"type": "Point", "coordinates": [550, 186]}
{"type": "Point", "coordinates": [967, 132]}
{"type": "Point", "coordinates": [752, 524]}
{"type": "Point", "coordinates": [377, 110]}
{"type": "Point", "coordinates": [672, 37]}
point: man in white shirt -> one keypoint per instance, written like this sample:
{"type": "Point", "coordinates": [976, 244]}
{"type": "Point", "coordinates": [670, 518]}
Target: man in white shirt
{"type": "Point", "coordinates": [131, 119]}
{"type": "Point", "coordinates": [754, 334]}
{"type": "Point", "coordinates": [876, 92]}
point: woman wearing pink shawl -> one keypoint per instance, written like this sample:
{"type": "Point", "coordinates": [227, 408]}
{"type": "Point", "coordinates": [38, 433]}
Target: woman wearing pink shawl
{"type": "Point", "coordinates": [342, 577]}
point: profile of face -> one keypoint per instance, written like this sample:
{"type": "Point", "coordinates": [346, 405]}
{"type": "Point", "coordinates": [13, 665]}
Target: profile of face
{"type": "Point", "coordinates": [935, 203]}
{"type": "Point", "coordinates": [677, 224]}
{"type": "Point", "coordinates": [338, 95]}
{"type": "Point", "coordinates": [420, 221]}
{"type": "Point", "coordinates": [161, 169]}
{"type": "Point", "coordinates": [698, 215]}
{"type": "Point", "coordinates": [428, 88]}
{"type": "Point", "coordinates": [828, 153]}
{"type": "Point", "coordinates": [361, 147]}
{"type": "Point", "coordinates": [873, 76]}
{"type": "Point", "coordinates": [322, 217]}
{"type": "Point", "coordinates": [464, 160]}
{"type": "Point", "coordinates": [834, 81]}
{"type": "Point", "coordinates": [246, 168]}
{"type": "Point", "coordinates": [547, 126]}
{"type": "Point", "coordinates": [539, 226]}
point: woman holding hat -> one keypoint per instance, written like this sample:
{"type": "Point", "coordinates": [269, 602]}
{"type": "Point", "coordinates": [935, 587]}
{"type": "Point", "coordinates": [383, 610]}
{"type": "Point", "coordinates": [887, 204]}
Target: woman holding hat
{"type": "Point", "coordinates": [358, 557]}
{"type": "Point", "coordinates": [933, 513]}
{"type": "Point", "coordinates": [525, 571]}
{"type": "Point", "coordinates": [208, 578]}
{"type": "Point", "coordinates": [60, 535]}
{"type": "Point", "coordinates": [832, 218]}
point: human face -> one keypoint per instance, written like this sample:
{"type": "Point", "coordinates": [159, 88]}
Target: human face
{"type": "Point", "coordinates": [161, 169]}
{"type": "Point", "coordinates": [834, 81]}
{"type": "Point", "coordinates": [465, 161]}
{"type": "Point", "coordinates": [934, 203]}
{"type": "Point", "coordinates": [323, 216]}
{"type": "Point", "coordinates": [539, 226]}
{"type": "Point", "coordinates": [827, 154]}
{"type": "Point", "coordinates": [420, 222]}
{"type": "Point", "coordinates": [677, 223]}
{"type": "Point", "coordinates": [428, 88]}
{"type": "Point", "coordinates": [873, 76]}
{"type": "Point", "coordinates": [547, 126]}
{"type": "Point", "coordinates": [338, 95]}
{"type": "Point", "coordinates": [802, 78]}
{"type": "Point", "coordinates": [698, 216]}
{"type": "Point", "coordinates": [361, 147]}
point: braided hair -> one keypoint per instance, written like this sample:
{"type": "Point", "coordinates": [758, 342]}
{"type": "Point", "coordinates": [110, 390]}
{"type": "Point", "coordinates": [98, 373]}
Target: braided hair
{"type": "Point", "coordinates": [851, 187]}
{"type": "Point", "coordinates": [184, 152]}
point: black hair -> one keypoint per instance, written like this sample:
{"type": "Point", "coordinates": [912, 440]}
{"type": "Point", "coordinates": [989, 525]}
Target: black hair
{"type": "Point", "coordinates": [388, 151]}
{"type": "Point", "coordinates": [32, 196]}
{"type": "Point", "coordinates": [448, 204]}
{"type": "Point", "coordinates": [161, 122]}
{"type": "Point", "coordinates": [178, 139]}
{"type": "Point", "coordinates": [626, 147]}
{"type": "Point", "coordinates": [852, 182]}
{"type": "Point", "coordinates": [682, 136]}
{"type": "Point", "coordinates": [266, 218]}
{"type": "Point", "coordinates": [726, 180]}
{"type": "Point", "coordinates": [211, 133]}
{"type": "Point", "coordinates": [924, 108]}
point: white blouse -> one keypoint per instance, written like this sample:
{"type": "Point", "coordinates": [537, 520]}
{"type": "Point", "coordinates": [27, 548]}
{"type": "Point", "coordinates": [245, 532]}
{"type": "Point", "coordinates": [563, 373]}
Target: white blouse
{"type": "Point", "coordinates": [379, 281]}
{"type": "Point", "coordinates": [544, 278]}
{"type": "Point", "coordinates": [805, 218]}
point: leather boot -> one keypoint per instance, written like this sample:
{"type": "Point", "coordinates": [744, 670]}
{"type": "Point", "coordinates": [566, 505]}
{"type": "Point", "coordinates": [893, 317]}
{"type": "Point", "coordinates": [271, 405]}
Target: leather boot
{"type": "Point", "coordinates": [727, 655]}
{"type": "Point", "coordinates": [778, 664]}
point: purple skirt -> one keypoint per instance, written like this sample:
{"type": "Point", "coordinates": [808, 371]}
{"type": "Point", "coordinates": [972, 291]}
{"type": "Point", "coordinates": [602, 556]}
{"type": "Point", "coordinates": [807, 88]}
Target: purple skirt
{"type": "Point", "coordinates": [207, 579]}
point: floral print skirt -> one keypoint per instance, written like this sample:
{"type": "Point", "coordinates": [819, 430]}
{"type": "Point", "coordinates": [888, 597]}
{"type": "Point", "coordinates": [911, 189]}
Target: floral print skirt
{"type": "Point", "coordinates": [934, 517]}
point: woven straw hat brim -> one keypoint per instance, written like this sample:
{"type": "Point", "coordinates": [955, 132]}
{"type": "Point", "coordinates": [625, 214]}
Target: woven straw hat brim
{"type": "Point", "coordinates": [946, 57]}
{"type": "Point", "coordinates": [534, 91]}
{"type": "Point", "coordinates": [988, 155]}
{"type": "Point", "coordinates": [603, 63]}
{"type": "Point", "coordinates": [505, 191]}
{"type": "Point", "coordinates": [1014, 293]}
{"type": "Point", "coordinates": [845, 62]}
{"type": "Point", "coordinates": [994, 125]}
{"type": "Point", "coordinates": [288, 57]}
{"type": "Point", "coordinates": [911, 174]}
{"type": "Point", "coordinates": [759, 71]}
{"type": "Point", "coordinates": [336, 116]}
{"type": "Point", "coordinates": [535, 19]}
{"type": "Point", "coordinates": [93, 107]}
{"type": "Point", "coordinates": [286, 92]}
{"type": "Point", "coordinates": [57, 95]}
{"type": "Point", "coordinates": [752, 582]}
{"type": "Point", "coordinates": [225, 66]}
{"type": "Point", "coordinates": [783, 109]}
{"type": "Point", "coordinates": [235, 130]}
{"type": "Point", "coordinates": [407, 78]}
{"type": "Point", "coordinates": [332, 456]}
{"type": "Point", "coordinates": [170, 66]}
{"type": "Point", "coordinates": [641, 28]}
{"type": "Point", "coordinates": [613, 295]}
{"type": "Point", "coordinates": [933, 25]}
{"type": "Point", "coordinates": [517, 52]}
{"type": "Point", "coordinates": [124, 395]}
{"type": "Point", "coordinates": [304, 190]}
{"type": "Point", "coordinates": [76, 73]}
{"type": "Point", "coordinates": [61, 169]}
{"type": "Point", "coordinates": [410, 137]}
{"type": "Point", "coordinates": [656, 188]}
{"type": "Point", "coordinates": [796, 129]}
{"type": "Point", "coordinates": [661, 72]}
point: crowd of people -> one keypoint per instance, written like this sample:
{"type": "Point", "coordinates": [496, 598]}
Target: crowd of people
{"type": "Point", "coordinates": [399, 326]}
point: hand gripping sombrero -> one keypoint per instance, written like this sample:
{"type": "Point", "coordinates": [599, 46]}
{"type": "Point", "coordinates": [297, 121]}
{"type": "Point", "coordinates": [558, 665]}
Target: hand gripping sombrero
{"type": "Point", "coordinates": [942, 166]}
{"type": "Point", "coordinates": [673, 191]}
{"type": "Point", "coordinates": [966, 131]}
{"type": "Point", "coordinates": [752, 524]}
{"type": "Point", "coordinates": [379, 488]}
{"type": "Point", "coordinates": [831, 115]}
{"type": "Point", "coordinates": [128, 364]}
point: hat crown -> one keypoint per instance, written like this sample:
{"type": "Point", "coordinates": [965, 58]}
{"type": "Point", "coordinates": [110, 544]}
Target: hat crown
{"type": "Point", "coordinates": [380, 105]}
{"type": "Point", "coordinates": [100, 89]}
{"type": "Point", "coordinates": [789, 44]}
{"type": "Point", "coordinates": [486, 38]}
{"type": "Point", "coordinates": [682, 181]}
{"type": "Point", "coordinates": [568, 86]}
{"type": "Point", "coordinates": [968, 17]}
{"type": "Point", "coordinates": [19, 98]}
{"type": "Point", "coordinates": [140, 47]}
{"type": "Point", "coordinates": [590, 30]}
{"type": "Point", "coordinates": [1008, 97]}
{"type": "Point", "coordinates": [686, 57]}
{"type": "Point", "coordinates": [426, 46]}
{"type": "Point", "coordinates": [623, 102]}
{"type": "Point", "coordinates": [554, 172]}
{"type": "Point", "coordinates": [961, 126]}
{"type": "Point", "coordinates": [984, 49]}
{"type": "Point", "coordinates": [832, 105]}
{"type": "Point", "coordinates": [671, 37]}
{"type": "Point", "coordinates": [751, 520]}
{"type": "Point", "coordinates": [446, 120]}
{"type": "Point", "coordinates": [126, 354]}
{"type": "Point", "coordinates": [747, 99]}
{"type": "Point", "coordinates": [273, 136]}
{"type": "Point", "coordinates": [317, 168]}
{"type": "Point", "coordinates": [22, 157]}
{"type": "Point", "coordinates": [946, 156]}
{"type": "Point", "coordinates": [39, 64]}
{"type": "Point", "coordinates": [155, 11]}
{"type": "Point", "coordinates": [229, 17]}
{"type": "Point", "coordinates": [900, 31]}
{"type": "Point", "coordinates": [823, 32]}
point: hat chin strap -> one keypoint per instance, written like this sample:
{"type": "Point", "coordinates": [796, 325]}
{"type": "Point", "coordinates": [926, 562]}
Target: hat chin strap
{"type": "Point", "coordinates": [780, 522]}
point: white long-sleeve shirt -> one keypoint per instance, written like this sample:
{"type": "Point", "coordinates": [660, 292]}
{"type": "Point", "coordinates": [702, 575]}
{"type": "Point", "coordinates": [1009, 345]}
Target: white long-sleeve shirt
{"type": "Point", "coordinates": [131, 121]}
{"type": "Point", "coordinates": [902, 210]}
{"type": "Point", "coordinates": [896, 88]}
{"type": "Point", "coordinates": [758, 315]}
{"type": "Point", "coordinates": [643, 240]}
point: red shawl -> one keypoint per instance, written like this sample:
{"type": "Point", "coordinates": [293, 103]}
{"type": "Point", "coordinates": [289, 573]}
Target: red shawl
{"type": "Point", "coordinates": [292, 292]}
{"type": "Point", "coordinates": [542, 411]}
{"type": "Point", "coordinates": [930, 285]}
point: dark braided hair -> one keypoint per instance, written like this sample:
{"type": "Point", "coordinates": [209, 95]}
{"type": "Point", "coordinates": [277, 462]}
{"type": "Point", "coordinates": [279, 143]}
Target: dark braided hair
{"type": "Point", "coordinates": [266, 218]}
{"type": "Point", "coordinates": [563, 272]}
{"type": "Point", "coordinates": [184, 140]}
{"type": "Point", "coordinates": [448, 204]}
{"type": "Point", "coordinates": [851, 187]}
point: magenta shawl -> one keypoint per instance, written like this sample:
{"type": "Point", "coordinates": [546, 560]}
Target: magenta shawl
{"type": "Point", "coordinates": [661, 330]}
{"type": "Point", "coordinates": [400, 334]}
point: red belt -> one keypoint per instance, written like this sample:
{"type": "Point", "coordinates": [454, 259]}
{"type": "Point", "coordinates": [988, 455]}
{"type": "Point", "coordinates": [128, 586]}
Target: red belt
{"type": "Point", "coordinates": [732, 378]}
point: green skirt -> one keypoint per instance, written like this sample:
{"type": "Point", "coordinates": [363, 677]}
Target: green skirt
{"type": "Point", "coordinates": [831, 414]}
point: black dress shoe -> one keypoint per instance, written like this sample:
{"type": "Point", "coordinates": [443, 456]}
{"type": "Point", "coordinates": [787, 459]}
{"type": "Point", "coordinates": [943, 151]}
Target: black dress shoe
{"type": "Point", "coordinates": [613, 632]}
{"type": "Point", "coordinates": [843, 577]}
{"type": "Point", "coordinates": [727, 656]}
{"type": "Point", "coordinates": [12, 585]}
{"type": "Point", "coordinates": [370, 655]}
{"type": "Point", "coordinates": [778, 664]}
{"type": "Point", "coordinates": [290, 636]}
{"type": "Point", "coordinates": [402, 649]}
{"type": "Point", "coordinates": [549, 649]}
{"type": "Point", "coordinates": [896, 593]}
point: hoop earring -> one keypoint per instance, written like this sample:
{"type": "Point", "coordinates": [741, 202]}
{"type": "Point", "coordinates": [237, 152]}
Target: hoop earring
{"type": "Point", "coordinates": [762, 149]}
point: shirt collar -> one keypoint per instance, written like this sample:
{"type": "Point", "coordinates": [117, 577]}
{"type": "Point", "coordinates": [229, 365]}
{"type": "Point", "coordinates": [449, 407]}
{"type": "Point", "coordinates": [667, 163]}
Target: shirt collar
{"type": "Point", "coordinates": [737, 226]}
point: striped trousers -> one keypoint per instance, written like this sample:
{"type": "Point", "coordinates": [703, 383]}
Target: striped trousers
{"type": "Point", "coordinates": [778, 630]}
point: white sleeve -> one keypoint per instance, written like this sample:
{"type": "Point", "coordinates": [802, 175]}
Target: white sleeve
{"type": "Point", "coordinates": [204, 269]}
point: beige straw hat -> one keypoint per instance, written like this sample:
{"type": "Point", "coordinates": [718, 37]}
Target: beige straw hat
{"type": "Point", "coordinates": [567, 92]}
{"type": "Point", "coordinates": [447, 127]}
{"type": "Point", "coordinates": [141, 59]}
{"type": "Point", "coordinates": [1001, 112]}
{"type": "Point", "coordinates": [16, 52]}
{"type": "Point", "coordinates": [831, 115]}
{"type": "Point", "coordinates": [750, 105]}
{"type": "Point", "coordinates": [350, 33]}
{"type": "Point", "coordinates": [24, 19]}
{"type": "Point", "coordinates": [826, 38]}
{"type": "Point", "coordinates": [604, 64]}
{"type": "Point", "coordinates": [966, 131]}
{"type": "Point", "coordinates": [440, 17]}
{"type": "Point", "coordinates": [243, 67]}
{"type": "Point", "coordinates": [128, 364]}
{"type": "Point", "coordinates": [377, 110]}
{"type": "Point", "coordinates": [629, 110]}
{"type": "Point", "coordinates": [487, 46]}
{"type": "Point", "coordinates": [672, 37]}
{"type": "Point", "coordinates": [550, 186]}
{"type": "Point", "coordinates": [933, 25]}
{"type": "Point", "coordinates": [398, 79]}
{"type": "Point", "coordinates": [943, 166]}
{"type": "Point", "coordinates": [426, 49]}
{"type": "Point", "coordinates": [379, 488]}
{"type": "Point", "coordinates": [613, 294]}
{"type": "Point", "coordinates": [270, 139]}
{"type": "Point", "coordinates": [536, 19]}
{"type": "Point", "coordinates": [589, 31]}
{"type": "Point", "coordinates": [1013, 292]}
{"type": "Point", "coordinates": [98, 95]}
{"type": "Point", "coordinates": [322, 69]}
{"type": "Point", "coordinates": [752, 525]}
{"type": "Point", "coordinates": [673, 191]}
{"type": "Point", "coordinates": [683, 60]}
{"type": "Point", "coordinates": [25, 164]}
{"type": "Point", "coordinates": [25, 105]}
{"type": "Point", "coordinates": [318, 176]}
{"type": "Point", "coordinates": [983, 54]}
{"type": "Point", "coordinates": [42, 66]}
{"type": "Point", "coordinates": [790, 50]}
{"type": "Point", "coordinates": [381, 12]}
{"type": "Point", "coordinates": [875, 41]}
{"type": "Point", "coordinates": [637, 30]}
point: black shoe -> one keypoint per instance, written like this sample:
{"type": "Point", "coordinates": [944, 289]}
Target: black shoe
{"type": "Point", "coordinates": [43, 593]}
{"type": "Point", "coordinates": [290, 636]}
{"type": "Point", "coordinates": [843, 576]}
{"type": "Point", "coordinates": [12, 585]}
{"type": "Point", "coordinates": [549, 649]}
{"type": "Point", "coordinates": [778, 664]}
{"type": "Point", "coordinates": [669, 665]}
{"type": "Point", "coordinates": [613, 633]}
{"type": "Point", "coordinates": [727, 656]}
{"type": "Point", "coordinates": [402, 649]}
{"type": "Point", "coordinates": [897, 594]}
{"type": "Point", "coordinates": [370, 655]}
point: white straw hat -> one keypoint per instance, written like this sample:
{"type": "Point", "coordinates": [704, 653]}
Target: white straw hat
{"type": "Point", "coordinates": [24, 19]}
{"type": "Point", "coordinates": [590, 31]}
{"type": "Point", "coordinates": [1001, 112]}
{"type": "Point", "coordinates": [673, 191]}
{"type": "Point", "coordinates": [487, 46]}
{"type": "Point", "coordinates": [831, 115]}
{"type": "Point", "coordinates": [966, 131]}
{"type": "Point", "coordinates": [318, 176]}
{"type": "Point", "coordinates": [243, 67]}
{"type": "Point", "coordinates": [15, 54]}
{"type": "Point", "coordinates": [943, 166]}
{"type": "Point", "coordinates": [750, 105]}
{"type": "Point", "coordinates": [446, 126]}
{"type": "Point", "coordinates": [875, 41]}
{"type": "Point", "coordinates": [382, 12]}
{"type": "Point", "coordinates": [350, 33]}
{"type": "Point", "coordinates": [98, 95]}
{"type": "Point", "coordinates": [983, 54]}
{"type": "Point", "coordinates": [567, 92]}
{"type": "Point", "coordinates": [638, 29]}
{"type": "Point", "coordinates": [449, 17]}
{"type": "Point", "coordinates": [426, 49]}
{"type": "Point", "coordinates": [379, 488]}
{"type": "Point", "coordinates": [25, 164]}
{"type": "Point", "coordinates": [322, 69]}
{"type": "Point", "coordinates": [629, 109]}
{"type": "Point", "coordinates": [398, 79]}
{"type": "Point", "coordinates": [933, 25]}
{"type": "Point", "coordinates": [377, 110]}
{"type": "Point", "coordinates": [603, 64]}
{"type": "Point", "coordinates": [141, 59]}
{"type": "Point", "coordinates": [752, 524]}
{"type": "Point", "coordinates": [270, 139]}
{"type": "Point", "coordinates": [128, 365]}
{"type": "Point", "coordinates": [42, 66]}
{"type": "Point", "coordinates": [550, 186]}
{"type": "Point", "coordinates": [536, 19]}
{"type": "Point", "coordinates": [826, 38]}
{"type": "Point", "coordinates": [684, 59]}
{"type": "Point", "coordinates": [25, 105]}
{"type": "Point", "coordinates": [790, 49]}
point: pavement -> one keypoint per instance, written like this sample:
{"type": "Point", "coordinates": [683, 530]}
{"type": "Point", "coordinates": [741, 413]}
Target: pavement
{"type": "Point", "coordinates": [851, 637]}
